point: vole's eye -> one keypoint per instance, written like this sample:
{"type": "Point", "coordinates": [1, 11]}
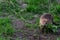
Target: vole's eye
{"type": "Point", "coordinates": [46, 22]}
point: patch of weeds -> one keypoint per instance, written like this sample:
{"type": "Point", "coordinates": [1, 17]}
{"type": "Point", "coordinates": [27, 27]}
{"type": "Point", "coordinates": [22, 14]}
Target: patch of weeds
{"type": "Point", "coordinates": [36, 6]}
{"type": "Point", "coordinates": [10, 6]}
{"type": "Point", "coordinates": [51, 28]}
{"type": "Point", "coordinates": [35, 25]}
{"type": "Point", "coordinates": [28, 16]}
{"type": "Point", "coordinates": [40, 6]}
{"type": "Point", "coordinates": [58, 8]}
{"type": "Point", "coordinates": [55, 9]}
{"type": "Point", "coordinates": [58, 38]}
{"type": "Point", "coordinates": [4, 38]}
{"type": "Point", "coordinates": [56, 18]}
{"type": "Point", "coordinates": [28, 25]}
{"type": "Point", "coordinates": [6, 26]}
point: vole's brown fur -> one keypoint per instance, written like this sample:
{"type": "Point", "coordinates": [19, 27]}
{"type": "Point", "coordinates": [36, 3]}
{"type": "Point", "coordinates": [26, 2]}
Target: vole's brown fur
{"type": "Point", "coordinates": [46, 19]}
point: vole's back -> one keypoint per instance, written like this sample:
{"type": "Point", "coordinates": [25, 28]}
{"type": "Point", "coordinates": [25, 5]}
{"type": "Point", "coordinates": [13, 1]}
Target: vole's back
{"type": "Point", "coordinates": [47, 16]}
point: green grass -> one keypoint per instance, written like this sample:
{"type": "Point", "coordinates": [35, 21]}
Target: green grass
{"type": "Point", "coordinates": [34, 26]}
{"type": "Point", "coordinates": [33, 7]}
{"type": "Point", "coordinates": [37, 6]}
{"type": "Point", "coordinates": [6, 26]}
{"type": "Point", "coordinates": [58, 38]}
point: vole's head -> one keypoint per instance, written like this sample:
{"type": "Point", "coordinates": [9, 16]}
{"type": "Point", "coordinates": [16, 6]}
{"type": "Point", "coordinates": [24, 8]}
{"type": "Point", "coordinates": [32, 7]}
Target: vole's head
{"type": "Point", "coordinates": [43, 22]}
{"type": "Point", "coordinates": [45, 18]}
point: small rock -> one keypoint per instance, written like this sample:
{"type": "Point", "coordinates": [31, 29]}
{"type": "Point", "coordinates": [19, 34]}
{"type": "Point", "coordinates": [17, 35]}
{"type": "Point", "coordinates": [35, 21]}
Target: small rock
{"type": "Point", "coordinates": [23, 6]}
{"type": "Point", "coordinates": [36, 15]}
